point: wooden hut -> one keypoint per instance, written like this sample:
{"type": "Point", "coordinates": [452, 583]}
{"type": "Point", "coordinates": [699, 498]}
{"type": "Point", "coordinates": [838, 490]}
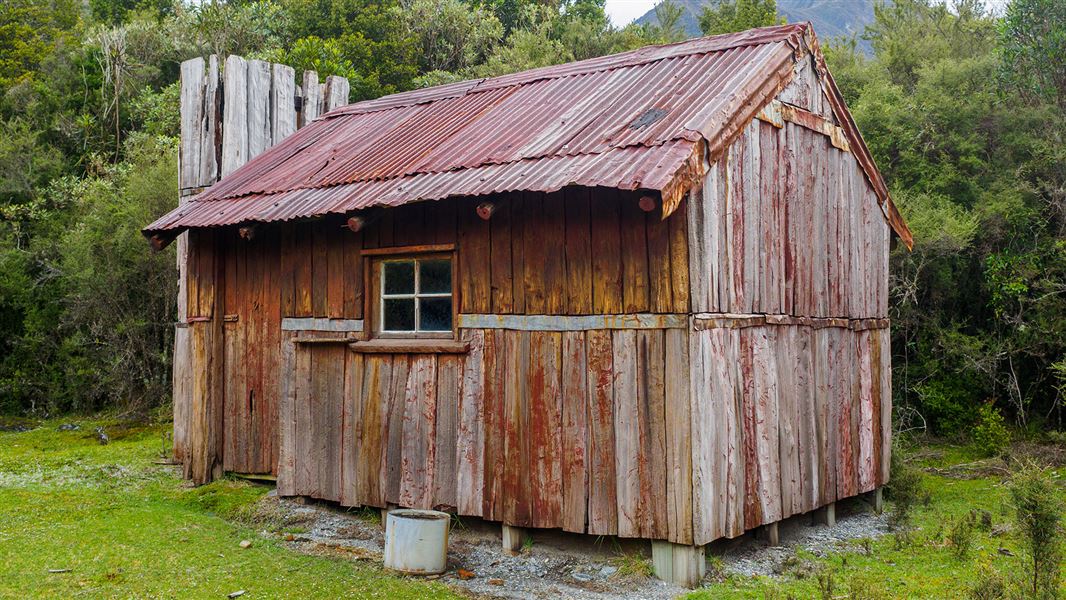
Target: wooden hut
{"type": "Point", "coordinates": [642, 295]}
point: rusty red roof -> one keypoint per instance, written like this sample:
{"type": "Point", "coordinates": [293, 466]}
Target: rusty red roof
{"type": "Point", "coordinates": [639, 120]}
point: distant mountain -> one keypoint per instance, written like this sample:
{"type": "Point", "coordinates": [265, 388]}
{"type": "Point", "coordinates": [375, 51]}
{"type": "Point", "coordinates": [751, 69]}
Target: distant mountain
{"type": "Point", "coordinates": [831, 18]}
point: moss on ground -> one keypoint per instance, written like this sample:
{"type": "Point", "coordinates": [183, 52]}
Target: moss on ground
{"type": "Point", "coordinates": [922, 563]}
{"type": "Point", "coordinates": [125, 526]}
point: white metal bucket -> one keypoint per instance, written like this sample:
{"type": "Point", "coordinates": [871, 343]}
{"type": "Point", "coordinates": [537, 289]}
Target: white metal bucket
{"type": "Point", "coordinates": [416, 541]}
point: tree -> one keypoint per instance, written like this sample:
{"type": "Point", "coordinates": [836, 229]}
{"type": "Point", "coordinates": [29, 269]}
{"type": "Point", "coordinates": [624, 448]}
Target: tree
{"type": "Point", "coordinates": [668, 27]}
{"type": "Point", "coordinates": [1033, 49]}
{"type": "Point", "coordinates": [728, 16]}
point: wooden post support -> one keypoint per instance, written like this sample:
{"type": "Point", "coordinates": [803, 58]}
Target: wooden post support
{"type": "Point", "coordinates": [772, 535]}
{"type": "Point", "coordinates": [827, 515]}
{"type": "Point", "coordinates": [876, 500]}
{"type": "Point", "coordinates": [512, 540]}
{"type": "Point", "coordinates": [678, 563]}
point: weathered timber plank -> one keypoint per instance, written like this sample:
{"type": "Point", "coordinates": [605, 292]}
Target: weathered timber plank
{"type": "Point", "coordinates": [393, 467]}
{"type": "Point", "coordinates": [678, 425]}
{"type": "Point", "coordinates": [578, 251]}
{"type": "Point", "coordinates": [635, 285]}
{"type": "Point", "coordinates": [257, 108]}
{"type": "Point", "coordinates": [320, 275]}
{"type": "Point", "coordinates": [373, 438]}
{"type": "Point", "coordinates": [334, 269]}
{"type": "Point", "coordinates": [419, 433]}
{"type": "Point", "coordinates": [651, 409]}
{"type": "Point", "coordinates": [535, 251]}
{"type": "Point", "coordinates": [495, 423]}
{"type": "Point", "coordinates": [312, 98]}
{"type": "Point", "coordinates": [575, 429]}
{"type": "Point", "coordinates": [321, 324]}
{"type": "Point", "coordinates": [470, 450]}
{"type": "Point", "coordinates": [516, 484]}
{"type": "Point", "coordinates": [606, 250]}
{"type": "Point", "coordinates": [282, 102]}
{"type": "Point", "coordinates": [627, 432]}
{"type": "Point", "coordinates": [445, 469]}
{"type": "Point", "coordinates": [573, 323]}
{"type": "Point", "coordinates": [302, 269]}
{"type": "Point", "coordinates": [603, 510]}
{"type": "Point", "coordinates": [474, 260]}
{"type": "Point", "coordinates": [660, 286]}
{"type": "Point", "coordinates": [545, 431]}
{"type": "Point", "coordinates": [351, 421]}
{"type": "Point", "coordinates": [500, 249]}
{"type": "Point", "coordinates": [234, 117]}
{"type": "Point", "coordinates": [677, 224]}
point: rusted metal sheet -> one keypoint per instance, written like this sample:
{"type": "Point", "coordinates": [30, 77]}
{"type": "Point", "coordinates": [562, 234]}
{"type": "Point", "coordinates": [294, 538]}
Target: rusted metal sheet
{"type": "Point", "coordinates": [636, 120]}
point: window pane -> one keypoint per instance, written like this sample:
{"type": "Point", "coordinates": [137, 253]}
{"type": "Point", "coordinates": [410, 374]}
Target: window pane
{"type": "Point", "coordinates": [400, 277]}
{"type": "Point", "coordinates": [436, 314]}
{"type": "Point", "coordinates": [435, 277]}
{"type": "Point", "coordinates": [400, 314]}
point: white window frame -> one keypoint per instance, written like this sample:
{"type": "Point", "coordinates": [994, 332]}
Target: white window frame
{"type": "Point", "coordinates": [417, 295]}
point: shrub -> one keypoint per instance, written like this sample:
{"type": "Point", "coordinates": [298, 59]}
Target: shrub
{"type": "Point", "coordinates": [1038, 512]}
{"type": "Point", "coordinates": [905, 489]}
{"type": "Point", "coordinates": [990, 435]}
{"type": "Point", "coordinates": [989, 585]}
{"type": "Point", "coordinates": [961, 535]}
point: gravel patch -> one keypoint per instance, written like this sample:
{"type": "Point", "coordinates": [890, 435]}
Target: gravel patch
{"type": "Point", "coordinates": [560, 565]}
{"type": "Point", "coordinates": [855, 522]}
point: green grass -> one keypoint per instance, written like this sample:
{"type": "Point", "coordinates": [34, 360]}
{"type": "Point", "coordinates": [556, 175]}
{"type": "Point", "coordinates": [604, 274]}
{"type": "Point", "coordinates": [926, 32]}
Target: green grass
{"type": "Point", "coordinates": [924, 566]}
{"type": "Point", "coordinates": [127, 527]}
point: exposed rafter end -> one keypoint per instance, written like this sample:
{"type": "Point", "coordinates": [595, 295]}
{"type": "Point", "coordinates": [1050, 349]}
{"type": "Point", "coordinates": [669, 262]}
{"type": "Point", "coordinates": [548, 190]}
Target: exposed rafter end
{"type": "Point", "coordinates": [357, 222]}
{"type": "Point", "coordinates": [485, 210]}
{"type": "Point", "coordinates": [647, 203]}
{"type": "Point", "coordinates": [159, 241]}
{"type": "Point", "coordinates": [247, 232]}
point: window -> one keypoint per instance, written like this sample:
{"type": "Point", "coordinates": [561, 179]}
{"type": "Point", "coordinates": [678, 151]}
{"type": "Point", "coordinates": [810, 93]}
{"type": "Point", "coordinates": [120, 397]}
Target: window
{"type": "Point", "coordinates": [415, 296]}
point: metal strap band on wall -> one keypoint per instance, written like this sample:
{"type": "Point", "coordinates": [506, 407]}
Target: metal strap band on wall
{"type": "Point", "coordinates": [703, 321]}
{"type": "Point", "coordinates": [573, 323]}
{"type": "Point", "coordinates": [313, 324]}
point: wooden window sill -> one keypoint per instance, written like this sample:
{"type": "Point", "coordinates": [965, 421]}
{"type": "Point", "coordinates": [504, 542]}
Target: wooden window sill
{"type": "Point", "coordinates": [321, 340]}
{"type": "Point", "coordinates": [408, 346]}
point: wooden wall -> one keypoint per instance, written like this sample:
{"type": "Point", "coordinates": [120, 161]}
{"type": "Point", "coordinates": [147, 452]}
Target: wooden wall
{"type": "Point", "coordinates": [786, 418]}
{"type": "Point", "coordinates": [587, 431]}
{"type": "Point", "coordinates": [789, 353]}
{"type": "Point", "coordinates": [786, 223]}
{"type": "Point", "coordinates": [631, 263]}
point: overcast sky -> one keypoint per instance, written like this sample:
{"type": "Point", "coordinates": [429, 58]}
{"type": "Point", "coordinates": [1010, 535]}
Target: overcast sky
{"type": "Point", "coordinates": [622, 12]}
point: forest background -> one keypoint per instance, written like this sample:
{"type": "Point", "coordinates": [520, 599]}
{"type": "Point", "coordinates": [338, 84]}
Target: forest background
{"type": "Point", "coordinates": [963, 107]}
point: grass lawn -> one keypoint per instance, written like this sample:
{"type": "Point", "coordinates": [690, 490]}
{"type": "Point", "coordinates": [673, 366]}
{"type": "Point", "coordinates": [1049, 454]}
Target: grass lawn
{"type": "Point", "coordinates": [123, 526]}
{"type": "Point", "coordinates": [126, 527]}
{"type": "Point", "coordinates": [923, 566]}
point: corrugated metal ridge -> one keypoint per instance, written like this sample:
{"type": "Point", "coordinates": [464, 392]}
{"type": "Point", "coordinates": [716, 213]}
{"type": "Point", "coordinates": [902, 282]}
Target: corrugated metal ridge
{"type": "Point", "coordinates": [625, 168]}
{"type": "Point", "coordinates": [644, 55]}
{"type": "Point", "coordinates": [205, 197]}
{"type": "Point", "coordinates": [725, 72]}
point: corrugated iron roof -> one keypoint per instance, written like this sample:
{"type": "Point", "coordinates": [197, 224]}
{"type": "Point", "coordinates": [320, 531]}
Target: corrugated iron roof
{"type": "Point", "coordinates": [635, 120]}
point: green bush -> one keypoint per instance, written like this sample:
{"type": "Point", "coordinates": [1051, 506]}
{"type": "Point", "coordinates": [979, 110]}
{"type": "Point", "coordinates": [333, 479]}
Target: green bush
{"type": "Point", "coordinates": [905, 489]}
{"type": "Point", "coordinates": [961, 535]}
{"type": "Point", "coordinates": [990, 435]}
{"type": "Point", "coordinates": [1038, 512]}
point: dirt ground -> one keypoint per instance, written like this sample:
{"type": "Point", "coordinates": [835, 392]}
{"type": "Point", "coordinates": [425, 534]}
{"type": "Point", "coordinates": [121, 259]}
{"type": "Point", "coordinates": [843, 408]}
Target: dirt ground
{"type": "Point", "coordinates": [561, 565]}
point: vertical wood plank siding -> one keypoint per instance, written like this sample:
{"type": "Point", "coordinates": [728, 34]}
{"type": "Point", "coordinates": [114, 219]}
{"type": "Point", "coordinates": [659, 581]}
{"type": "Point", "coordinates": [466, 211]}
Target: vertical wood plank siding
{"type": "Point", "coordinates": [688, 435]}
{"type": "Point", "coordinates": [576, 450]}
{"type": "Point", "coordinates": [790, 416]}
